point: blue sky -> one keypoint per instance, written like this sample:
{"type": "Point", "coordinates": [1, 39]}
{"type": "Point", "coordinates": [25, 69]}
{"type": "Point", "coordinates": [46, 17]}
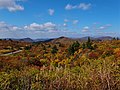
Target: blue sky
{"type": "Point", "coordinates": [54, 18]}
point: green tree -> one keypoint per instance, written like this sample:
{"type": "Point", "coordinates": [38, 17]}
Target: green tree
{"type": "Point", "coordinates": [74, 47]}
{"type": "Point", "coordinates": [28, 47]}
{"type": "Point", "coordinates": [89, 44]}
{"type": "Point", "coordinates": [114, 38]}
{"type": "Point", "coordinates": [71, 50]}
{"type": "Point", "coordinates": [54, 49]}
{"type": "Point", "coordinates": [83, 46]}
{"type": "Point", "coordinates": [117, 38]}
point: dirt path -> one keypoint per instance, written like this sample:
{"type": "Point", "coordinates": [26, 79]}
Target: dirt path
{"type": "Point", "coordinates": [15, 52]}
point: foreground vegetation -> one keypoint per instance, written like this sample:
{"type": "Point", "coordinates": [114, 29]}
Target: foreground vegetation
{"type": "Point", "coordinates": [90, 65]}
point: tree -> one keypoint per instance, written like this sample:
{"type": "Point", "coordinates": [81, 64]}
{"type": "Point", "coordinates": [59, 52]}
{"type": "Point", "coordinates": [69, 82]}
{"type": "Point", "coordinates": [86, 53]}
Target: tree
{"type": "Point", "coordinates": [117, 38]}
{"type": "Point", "coordinates": [28, 47]}
{"type": "Point", "coordinates": [83, 46]}
{"type": "Point", "coordinates": [54, 49]}
{"type": "Point", "coordinates": [89, 43]}
{"type": "Point", "coordinates": [74, 47]}
{"type": "Point", "coordinates": [114, 38]}
{"type": "Point", "coordinates": [89, 40]}
{"type": "Point", "coordinates": [71, 50]}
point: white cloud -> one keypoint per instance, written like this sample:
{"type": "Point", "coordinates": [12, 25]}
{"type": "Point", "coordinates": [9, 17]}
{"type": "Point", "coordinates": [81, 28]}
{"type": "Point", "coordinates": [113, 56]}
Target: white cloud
{"type": "Point", "coordinates": [85, 29]}
{"type": "Point", "coordinates": [104, 27]}
{"type": "Point", "coordinates": [4, 26]}
{"type": "Point", "coordinates": [51, 11]}
{"type": "Point", "coordinates": [82, 6]}
{"type": "Point", "coordinates": [11, 5]}
{"type": "Point", "coordinates": [16, 28]}
{"type": "Point", "coordinates": [34, 30]}
{"type": "Point", "coordinates": [75, 21]}
{"type": "Point", "coordinates": [48, 29]}
{"type": "Point", "coordinates": [64, 24]}
{"type": "Point", "coordinates": [32, 27]}
{"type": "Point", "coordinates": [41, 27]}
{"type": "Point", "coordinates": [66, 20]}
{"type": "Point", "coordinates": [10, 31]}
{"type": "Point", "coordinates": [69, 7]}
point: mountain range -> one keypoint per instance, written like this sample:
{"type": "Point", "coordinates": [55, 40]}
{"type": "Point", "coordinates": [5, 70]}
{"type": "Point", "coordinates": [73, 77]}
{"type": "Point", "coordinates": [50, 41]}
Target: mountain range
{"type": "Point", "coordinates": [61, 39]}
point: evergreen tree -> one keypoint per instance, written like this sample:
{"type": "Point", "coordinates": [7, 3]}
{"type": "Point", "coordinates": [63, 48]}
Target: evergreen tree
{"type": "Point", "coordinates": [71, 50]}
{"type": "Point", "coordinates": [114, 38]}
{"type": "Point", "coordinates": [117, 38]}
{"type": "Point", "coordinates": [74, 47]}
{"type": "Point", "coordinates": [83, 46]}
{"type": "Point", "coordinates": [54, 49]}
{"type": "Point", "coordinates": [89, 43]}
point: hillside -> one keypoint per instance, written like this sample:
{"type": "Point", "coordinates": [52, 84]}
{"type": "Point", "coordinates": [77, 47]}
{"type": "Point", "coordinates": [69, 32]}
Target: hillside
{"type": "Point", "coordinates": [62, 63]}
{"type": "Point", "coordinates": [11, 45]}
{"type": "Point", "coordinates": [63, 40]}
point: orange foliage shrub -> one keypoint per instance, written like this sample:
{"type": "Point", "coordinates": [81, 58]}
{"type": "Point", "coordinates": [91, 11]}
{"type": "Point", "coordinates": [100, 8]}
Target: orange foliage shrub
{"type": "Point", "coordinates": [93, 55]}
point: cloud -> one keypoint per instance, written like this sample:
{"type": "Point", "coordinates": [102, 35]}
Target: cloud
{"type": "Point", "coordinates": [104, 27]}
{"type": "Point", "coordinates": [82, 6]}
{"type": "Point", "coordinates": [9, 28]}
{"type": "Point", "coordinates": [10, 31]}
{"type": "Point", "coordinates": [75, 21]}
{"type": "Point", "coordinates": [41, 27]}
{"type": "Point", "coordinates": [65, 25]}
{"type": "Point", "coordinates": [5, 27]}
{"type": "Point", "coordinates": [95, 28]}
{"type": "Point", "coordinates": [113, 34]}
{"type": "Point", "coordinates": [66, 20]}
{"type": "Point", "coordinates": [85, 29]}
{"type": "Point", "coordinates": [34, 30]}
{"type": "Point", "coordinates": [51, 11]}
{"type": "Point", "coordinates": [32, 27]}
{"type": "Point", "coordinates": [47, 30]}
{"type": "Point", "coordinates": [69, 7]}
{"type": "Point", "coordinates": [11, 5]}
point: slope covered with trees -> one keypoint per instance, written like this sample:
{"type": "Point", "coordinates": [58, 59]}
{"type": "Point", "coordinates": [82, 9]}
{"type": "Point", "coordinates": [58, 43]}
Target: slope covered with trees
{"type": "Point", "coordinates": [61, 65]}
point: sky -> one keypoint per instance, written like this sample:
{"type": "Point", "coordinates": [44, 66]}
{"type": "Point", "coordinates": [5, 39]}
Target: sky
{"type": "Point", "coordinates": [55, 18]}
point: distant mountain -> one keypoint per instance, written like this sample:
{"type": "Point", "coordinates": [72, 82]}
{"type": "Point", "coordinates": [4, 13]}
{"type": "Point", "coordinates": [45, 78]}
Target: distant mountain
{"type": "Point", "coordinates": [105, 38]}
{"type": "Point", "coordinates": [26, 40]}
{"type": "Point", "coordinates": [86, 38]}
{"type": "Point", "coordinates": [62, 39]}
{"type": "Point", "coordinates": [96, 38]}
{"type": "Point", "coordinates": [66, 40]}
{"type": "Point", "coordinates": [42, 40]}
